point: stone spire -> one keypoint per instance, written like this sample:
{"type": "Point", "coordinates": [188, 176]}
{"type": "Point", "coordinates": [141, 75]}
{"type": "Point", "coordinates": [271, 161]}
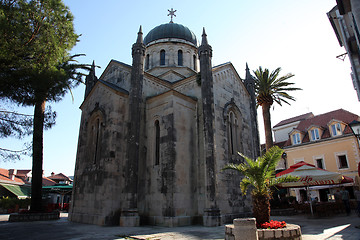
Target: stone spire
{"type": "Point", "coordinates": [204, 38]}
{"type": "Point", "coordinates": [211, 211]}
{"type": "Point", "coordinates": [248, 78]}
{"type": "Point", "coordinates": [250, 86]}
{"type": "Point", "coordinates": [129, 215]}
{"type": "Point", "coordinates": [140, 36]}
{"type": "Point", "coordinates": [90, 80]}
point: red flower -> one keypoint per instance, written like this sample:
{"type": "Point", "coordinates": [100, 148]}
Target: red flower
{"type": "Point", "coordinates": [272, 225]}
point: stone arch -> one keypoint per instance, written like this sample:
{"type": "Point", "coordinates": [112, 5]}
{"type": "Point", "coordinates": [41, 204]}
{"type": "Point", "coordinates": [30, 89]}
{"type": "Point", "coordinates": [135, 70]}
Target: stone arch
{"type": "Point", "coordinates": [233, 124]}
{"type": "Point", "coordinates": [162, 57]}
{"type": "Point", "coordinates": [155, 140]}
{"type": "Point", "coordinates": [95, 131]}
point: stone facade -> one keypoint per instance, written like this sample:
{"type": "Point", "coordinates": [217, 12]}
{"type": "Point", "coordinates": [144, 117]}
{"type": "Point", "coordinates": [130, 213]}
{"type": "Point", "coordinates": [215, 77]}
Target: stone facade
{"type": "Point", "coordinates": [154, 137]}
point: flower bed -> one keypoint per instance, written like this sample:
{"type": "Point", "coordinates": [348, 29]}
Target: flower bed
{"type": "Point", "coordinates": [272, 225]}
{"type": "Point", "coordinates": [290, 232]}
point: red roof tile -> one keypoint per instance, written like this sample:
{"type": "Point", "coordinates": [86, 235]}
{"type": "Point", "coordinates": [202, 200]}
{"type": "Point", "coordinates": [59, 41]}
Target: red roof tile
{"type": "Point", "coordinates": [22, 172]}
{"type": "Point", "coordinates": [295, 119]}
{"type": "Point", "coordinates": [322, 121]}
{"type": "Point", "coordinates": [47, 182]}
{"type": "Point", "coordinates": [60, 176]}
{"type": "Point", "coordinates": [5, 176]}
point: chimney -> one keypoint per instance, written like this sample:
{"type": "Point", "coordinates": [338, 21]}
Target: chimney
{"type": "Point", "coordinates": [52, 174]}
{"type": "Point", "coordinates": [12, 173]}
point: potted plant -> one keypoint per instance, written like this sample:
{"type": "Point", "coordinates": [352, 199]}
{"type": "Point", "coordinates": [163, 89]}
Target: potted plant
{"type": "Point", "coordinates": [260, 174]}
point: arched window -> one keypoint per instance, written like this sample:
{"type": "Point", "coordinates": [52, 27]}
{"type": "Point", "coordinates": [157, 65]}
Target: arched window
{"type": "Point", "coordinates": [194, 62]}
{"type": "Point", "coordinates": [95, 139]}
{"type": "Point", "coordinates": [157, 142]}
{"type": "Point", "coordinates": [180, 58]}
{"type": "Point", "coordinates": [233, 132]}
{"type": "Point", "coordinates": [162, 57]}
{"type": "Point", "coordinates": [147, 61]}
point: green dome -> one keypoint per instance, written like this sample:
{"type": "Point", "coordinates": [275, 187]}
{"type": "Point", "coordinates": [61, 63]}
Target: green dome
{"type": "Point", "coordinates": [170, 30]}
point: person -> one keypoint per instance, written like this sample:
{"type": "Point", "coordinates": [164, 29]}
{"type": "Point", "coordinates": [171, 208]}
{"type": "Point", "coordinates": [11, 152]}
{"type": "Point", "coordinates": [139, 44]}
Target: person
{"type": "Point", "coordinates": [315, 201]}
{"type": "Point", "coordinates": [345, 197]}
{"type": "Point", "coordinates": [357, 197]}
{"type": "Point", "coordinates": [337, 196]}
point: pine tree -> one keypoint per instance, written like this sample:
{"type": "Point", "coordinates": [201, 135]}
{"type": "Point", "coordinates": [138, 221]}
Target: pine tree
{"type": "Point", "coordinates": [36, 66]}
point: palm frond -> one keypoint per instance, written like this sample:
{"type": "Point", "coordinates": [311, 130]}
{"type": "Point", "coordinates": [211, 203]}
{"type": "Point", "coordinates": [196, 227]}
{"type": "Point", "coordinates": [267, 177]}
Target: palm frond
{"type": "Point", "coordinates": [259, 172]}
{"type": "Point", "coordinates": [272, 87]}
{"type": "Point", "coordinates": [285, 179]}
{"type": "Point", "coordinates": [244, 185]}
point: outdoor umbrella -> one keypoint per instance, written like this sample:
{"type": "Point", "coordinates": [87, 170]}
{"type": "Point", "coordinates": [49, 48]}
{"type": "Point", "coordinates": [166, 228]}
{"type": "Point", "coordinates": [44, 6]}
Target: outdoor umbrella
{"type": "Point", "coordinates": [309, 175]}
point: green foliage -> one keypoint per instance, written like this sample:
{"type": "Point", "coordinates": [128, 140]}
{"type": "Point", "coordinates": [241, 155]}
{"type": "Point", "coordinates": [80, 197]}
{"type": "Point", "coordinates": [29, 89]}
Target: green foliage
{"type": "Point", "coordinates": [270, 87]}
{"type": "Point", "coordinates": [260, 173]}
{"type": "Point", "coordinates": [35, 39]}
{"type": "Point", "coordinates": [36, 67]}
{"type": "Point", "coordinates": [10, 203]}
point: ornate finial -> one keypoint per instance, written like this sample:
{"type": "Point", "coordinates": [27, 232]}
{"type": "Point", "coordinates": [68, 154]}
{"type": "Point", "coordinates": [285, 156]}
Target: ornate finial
{"type": "Point", "coordinates": [172, 14]}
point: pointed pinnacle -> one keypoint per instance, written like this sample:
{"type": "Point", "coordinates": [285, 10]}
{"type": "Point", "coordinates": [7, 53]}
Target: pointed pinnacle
{"type": "Point", "coordinates": [140, 34]}
{"type": "Point", "coordinates": [248, 75]}
{"type": "Point", "coordinates": [93, 67]}
{"type": "Point", "coordinates": [204, 38]}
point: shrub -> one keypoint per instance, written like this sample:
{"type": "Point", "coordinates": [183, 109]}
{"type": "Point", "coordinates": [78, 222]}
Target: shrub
{"type": "Point", "coordinates": [10, 203]}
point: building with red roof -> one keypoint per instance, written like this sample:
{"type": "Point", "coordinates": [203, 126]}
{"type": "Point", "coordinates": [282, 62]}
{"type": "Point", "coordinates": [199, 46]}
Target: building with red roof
{"type": "Point", "coordinates": [60, 178]}
{"type": "Point", "coordinates": [324, 140]}
{"type": "Point", "coordinates": [17, 182]}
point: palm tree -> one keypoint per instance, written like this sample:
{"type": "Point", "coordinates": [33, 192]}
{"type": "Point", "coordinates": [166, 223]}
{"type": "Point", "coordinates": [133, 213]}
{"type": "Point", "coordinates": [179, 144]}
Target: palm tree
{"type": "Point", "coordinates": [270, 88]}
{"type": "Point", "coordinates": [260, 174]}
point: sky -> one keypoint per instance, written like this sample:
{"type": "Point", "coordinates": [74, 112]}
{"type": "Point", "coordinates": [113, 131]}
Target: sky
{"type": "Point", "coordinates": [294, 35]}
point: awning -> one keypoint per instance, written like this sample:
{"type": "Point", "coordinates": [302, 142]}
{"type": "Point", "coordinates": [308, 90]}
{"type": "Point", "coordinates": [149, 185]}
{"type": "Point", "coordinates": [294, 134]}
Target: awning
{"type": "Point", "coordinates": [309, 175]}
{"type": "Point", "coordinates": [61, 189]}
{"type": "Point", "coordinates": [21, 191]}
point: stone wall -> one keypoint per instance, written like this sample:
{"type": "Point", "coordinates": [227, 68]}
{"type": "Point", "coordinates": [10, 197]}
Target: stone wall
{"type": "Point", "coordinates": [170, 185]}
{"type": "Point", "coordinates": [98, 182]}
{"type": "Point", "coordinates": [230, 95]}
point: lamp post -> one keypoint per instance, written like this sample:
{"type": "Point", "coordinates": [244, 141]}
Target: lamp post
{"type": "Point", "coordinates": [355, 128]}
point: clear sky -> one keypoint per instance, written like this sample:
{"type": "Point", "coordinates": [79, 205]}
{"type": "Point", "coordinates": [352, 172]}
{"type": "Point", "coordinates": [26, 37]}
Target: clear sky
{"type": "Point", "coordinates": [293, 35]}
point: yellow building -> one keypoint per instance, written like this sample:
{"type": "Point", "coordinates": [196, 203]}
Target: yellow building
{"type": "Point", "coordinates": [325, 141]}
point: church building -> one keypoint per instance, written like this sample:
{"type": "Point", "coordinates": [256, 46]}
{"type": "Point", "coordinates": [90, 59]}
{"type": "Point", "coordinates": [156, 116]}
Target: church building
{"type": "Point", "coordinates": [155, 135]}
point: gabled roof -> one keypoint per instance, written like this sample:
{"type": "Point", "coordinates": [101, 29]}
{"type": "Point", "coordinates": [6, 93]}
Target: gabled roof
{"type": "Point", "coordinates": [5, 176]}
{"type": "Point", "coordinates": [47, 182]}
{"type": "Point", "coordinates": [22, 172]}
{"type": "Point", "coordinates": [172, 92]}
{"type": "Point", "coordinates": [60, 176]}
{"type": "Point", "coordinates": [323, 119]}
{"type": "Point", "coordinates": [322, 122]}
{"type": "Point", "coordinates": [295, 119]}
{"type": "Point", "coordinates": [113, 86]}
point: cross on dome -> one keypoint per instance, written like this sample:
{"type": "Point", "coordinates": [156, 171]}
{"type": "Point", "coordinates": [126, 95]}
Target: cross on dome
{"type": "Point", "coordinates": [172, 14]}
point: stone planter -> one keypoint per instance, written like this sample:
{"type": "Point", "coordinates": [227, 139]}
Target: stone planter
{"type": "Point", "coordinates": [291, 232]}
{"type": "Point", "coordinates": [235, 232]}
{"type": "Point", "coordinates": [27, 217]}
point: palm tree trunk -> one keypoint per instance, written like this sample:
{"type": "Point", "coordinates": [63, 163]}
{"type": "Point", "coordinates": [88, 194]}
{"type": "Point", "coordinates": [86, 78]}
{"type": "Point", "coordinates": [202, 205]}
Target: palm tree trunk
{"type": "Point", "coordinates": [267, 125]}
{"type": "Point", "coordinates": [37, 161]}
{"type": "Point", "coordinates": [261, 208]}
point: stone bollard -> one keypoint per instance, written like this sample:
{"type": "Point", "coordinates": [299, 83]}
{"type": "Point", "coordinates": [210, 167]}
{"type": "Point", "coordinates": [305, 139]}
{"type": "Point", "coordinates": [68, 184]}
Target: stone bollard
{"type": "Point", "coordinates": [245, 229]}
